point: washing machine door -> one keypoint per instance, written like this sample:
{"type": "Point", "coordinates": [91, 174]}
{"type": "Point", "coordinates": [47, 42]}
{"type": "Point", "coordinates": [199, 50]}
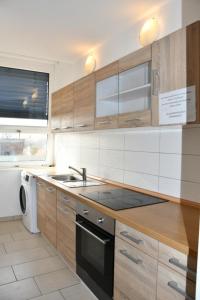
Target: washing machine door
{"type": "Point", "coordinates": [22, 199]}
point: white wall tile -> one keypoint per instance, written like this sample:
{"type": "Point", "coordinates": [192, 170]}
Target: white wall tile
{"type": "Point", "coordinates": [191, 141]}
{"type": "Point", "coordinates": [112, 141]}
{"type": "Point", "coordinates": [89, 156]}
{"type": "Point", "coordinates": [145, 181]}
{"type": "Point", "coordinates": [89, 140]}
{"type": "Point", "coordinates": [147, 141]}
{"type": "Point", "coordinates": [168, 186]}
{"type": "Point", "coordinates": [171, 140]}
{"type": "Point", "coordinates": [170, 165]}
{"type": "Point", "coordinates": [142, 162]}
{"type": "Point", "coordinates": [191, 168]}
{"type": "Point", "coordinates": [112, 158]}
{"type": "Point", "coordinates": [111, 173]}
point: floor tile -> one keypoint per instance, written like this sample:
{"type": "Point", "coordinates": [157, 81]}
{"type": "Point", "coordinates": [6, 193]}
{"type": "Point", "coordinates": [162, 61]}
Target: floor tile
{"type": "Point", "coordinates": [56, 280]}
{"type": "Point", "coordinates": [22, 256]}
{"type": "Point", "coordinates": [77, 292]}
{"type": "Point", "coordinates": [11, 227]}
{"type": "Point", "coordinates": [2, 250]}
{"type": "Point", "coordinates": [6, 275]}
{"type": "Point", "coordinates": [51, 296]}
{"type": "Point", "coordinates": [6, 238]}
{"type": "Point", "coordinates": [19, 290]}
{"type": "Point", "coordinates": [38, 267]}
{"type": "Point", "coordinates": [22, 245]}
{"type": "Point", "coordinates": [23, 235]}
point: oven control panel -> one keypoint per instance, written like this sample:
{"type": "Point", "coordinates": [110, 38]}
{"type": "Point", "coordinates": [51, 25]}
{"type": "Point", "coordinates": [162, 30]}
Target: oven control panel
{"type": "Point", "coordinates": [96, 217]}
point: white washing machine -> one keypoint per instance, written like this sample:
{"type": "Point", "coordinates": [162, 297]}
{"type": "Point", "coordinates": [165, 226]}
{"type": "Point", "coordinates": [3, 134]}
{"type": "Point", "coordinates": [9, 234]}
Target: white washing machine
{"type": "Point", "coordinates": [28, 201]}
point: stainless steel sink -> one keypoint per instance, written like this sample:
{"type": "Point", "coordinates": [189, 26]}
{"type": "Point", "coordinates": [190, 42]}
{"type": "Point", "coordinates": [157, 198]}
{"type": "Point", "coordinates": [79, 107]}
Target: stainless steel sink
{"type": "Point", "coordinates": [66, 178]}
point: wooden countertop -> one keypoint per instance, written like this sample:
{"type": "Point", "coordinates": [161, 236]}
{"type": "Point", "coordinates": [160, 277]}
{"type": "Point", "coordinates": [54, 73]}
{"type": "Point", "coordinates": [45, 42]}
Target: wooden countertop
{"type": "Point", "coordinates": [173, 224]}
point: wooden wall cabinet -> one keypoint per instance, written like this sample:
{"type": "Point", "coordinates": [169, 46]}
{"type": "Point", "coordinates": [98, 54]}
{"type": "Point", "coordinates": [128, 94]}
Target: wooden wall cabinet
{"type": "Point", "coordinates": [176, 65]}
{"type": "Point", "coordinates": [107, 97]}
{"type": "Point", "coordinates": [62, 116]}
{"type": "Point", "coordinates": [66, 229]}
{"type": "Point", "coordinates": [84, 105]}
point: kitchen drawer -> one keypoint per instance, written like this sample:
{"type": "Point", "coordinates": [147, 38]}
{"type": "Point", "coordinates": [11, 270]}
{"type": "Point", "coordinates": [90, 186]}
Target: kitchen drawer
{"type": "Point", "coordinates": [135, 273]}
{"type": "Point", "coordinates": [137, 239]}
{"type": "Point", "coordinates": [65, 199]}
{"type": "Point", "coordinates": [180, 262]}
{"type": "Point", "coordinates": [173, 286]}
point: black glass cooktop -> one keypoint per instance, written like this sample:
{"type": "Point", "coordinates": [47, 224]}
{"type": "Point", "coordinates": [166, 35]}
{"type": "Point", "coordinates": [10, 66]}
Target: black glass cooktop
{"type": "Point", "coordinates": [119, 199]}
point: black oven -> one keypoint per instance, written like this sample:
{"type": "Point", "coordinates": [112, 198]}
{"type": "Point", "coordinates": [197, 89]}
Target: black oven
{"type": "Point", "coordinates": [95, 253]}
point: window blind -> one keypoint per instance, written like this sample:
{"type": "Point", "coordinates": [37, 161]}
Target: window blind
{"type": "Point", "coordinates": [23, 94]}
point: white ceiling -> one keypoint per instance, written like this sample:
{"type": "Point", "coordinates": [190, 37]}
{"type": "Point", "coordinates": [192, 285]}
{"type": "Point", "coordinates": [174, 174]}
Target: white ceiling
{"type": "Point", "coordinates": [65, 29]}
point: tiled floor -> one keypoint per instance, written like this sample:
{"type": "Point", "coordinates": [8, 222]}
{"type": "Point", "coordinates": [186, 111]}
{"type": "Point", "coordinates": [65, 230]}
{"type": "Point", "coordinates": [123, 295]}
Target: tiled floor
{"type": "Point", "coordinates": [31, 269]}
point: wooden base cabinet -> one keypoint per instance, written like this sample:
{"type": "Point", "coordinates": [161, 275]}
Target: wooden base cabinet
{"type": "Point", "coordinates": [50, 224]}
{"type": "Point", "coordinates": [46, 210]}
{"type": "Point", "coordinates": [135, 273]}
{"type": "Point", "coordinates": [66, 229]}
{"type": "Point", "coordinates": [41, 211]}
{"type": "Point", "coordinates": [172, 285]}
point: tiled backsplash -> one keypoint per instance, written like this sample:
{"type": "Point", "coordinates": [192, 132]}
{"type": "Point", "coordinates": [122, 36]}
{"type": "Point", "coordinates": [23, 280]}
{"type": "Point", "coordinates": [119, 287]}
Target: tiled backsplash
{"type": "Point", "coordinates": [165, 160]}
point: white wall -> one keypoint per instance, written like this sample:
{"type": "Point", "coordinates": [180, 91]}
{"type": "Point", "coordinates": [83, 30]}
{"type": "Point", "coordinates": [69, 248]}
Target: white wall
{"type": "Point", "coordinates": [9, 186]}
{"type": "Point", "coordinates": [170, 19]}
{"type": "Point", "coordinates": [190, 11]}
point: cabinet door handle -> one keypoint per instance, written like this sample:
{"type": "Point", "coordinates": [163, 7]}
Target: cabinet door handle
{"type": "Point", "coordinates": [174, 261]}
{"type": "Point", "coordinates": [174, 285]}
{"type": "Point", "coordinates": [104, 122]}
{"type": "Point", "coordinates": [137, 261]}
{"type": "Point", "coordinates": [155, 82]}
{"type": "Point", "coordinates": [56, 128]}
{"type": "Point", "coordinates": [50, 190]}
{"type": "Point", "coordinates": [67, 127]}
{"type": "Point", "coordinates": [133, 120]}
{"type": "Point", "coordinates": [65, 200]}
{"type": "Point", "coordinates": [82, 125]}
{"type": "Point", "coordinates": [131, 238]}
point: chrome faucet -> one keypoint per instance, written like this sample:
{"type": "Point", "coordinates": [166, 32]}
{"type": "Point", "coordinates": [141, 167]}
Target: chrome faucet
{"type": "Point", "coordinates": [83, 173]}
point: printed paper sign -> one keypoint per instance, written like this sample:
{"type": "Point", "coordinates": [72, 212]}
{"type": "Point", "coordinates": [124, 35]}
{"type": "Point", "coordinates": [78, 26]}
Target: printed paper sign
{"type": "Point", "coordinates": [178, 106]}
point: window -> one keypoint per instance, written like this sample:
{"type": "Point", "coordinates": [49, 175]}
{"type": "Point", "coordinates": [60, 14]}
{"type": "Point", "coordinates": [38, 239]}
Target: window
{"type": "Point", "coordinates": [23, 97]}
{"type": "Point", "coordinates": [22, 147]}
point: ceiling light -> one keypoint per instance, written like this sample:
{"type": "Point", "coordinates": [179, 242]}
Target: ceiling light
{"type": "Point", "coordinates": [90, 64]}
{"type": "Point", "coordinates": [149, 32]}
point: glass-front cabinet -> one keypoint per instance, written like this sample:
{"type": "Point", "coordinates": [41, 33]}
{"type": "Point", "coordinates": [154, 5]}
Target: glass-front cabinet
{"type": "Point", "coordinates": [123, 92]}
{"type": "Point", "coordinates": [135, 89]}
{"type": "Point", "coordinates": [107, 97]}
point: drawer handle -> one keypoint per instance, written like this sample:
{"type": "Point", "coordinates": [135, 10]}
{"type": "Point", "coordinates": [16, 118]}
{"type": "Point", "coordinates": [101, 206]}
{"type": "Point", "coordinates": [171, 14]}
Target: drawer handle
{"type": "Point", "coordinates": [50, 190]}
{"type": "Point", "coordinates": [39, 183]}
{"type": "Point", "coordinates": [174, 261]}
{"type": "Point", "coordinates": [131, 238]}
{"type": "Point", "coordinates": [56, 128]}
{"type": "Point", "coordinates": [65, 200]}
{"type": "Point", "coordinates": [174, 285]}
{"type": "Point", "coordinates": [137, 261]}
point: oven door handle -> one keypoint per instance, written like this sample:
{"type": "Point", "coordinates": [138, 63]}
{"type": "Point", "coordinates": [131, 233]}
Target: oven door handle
{"type": "Point", "coordinates": [92, 234]}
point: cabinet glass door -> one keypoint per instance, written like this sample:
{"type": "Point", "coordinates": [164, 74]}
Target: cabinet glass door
{"type": "Point", "coordinates": [107, 97]}
{"type": "Point", "coordinates": [135, 89]}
